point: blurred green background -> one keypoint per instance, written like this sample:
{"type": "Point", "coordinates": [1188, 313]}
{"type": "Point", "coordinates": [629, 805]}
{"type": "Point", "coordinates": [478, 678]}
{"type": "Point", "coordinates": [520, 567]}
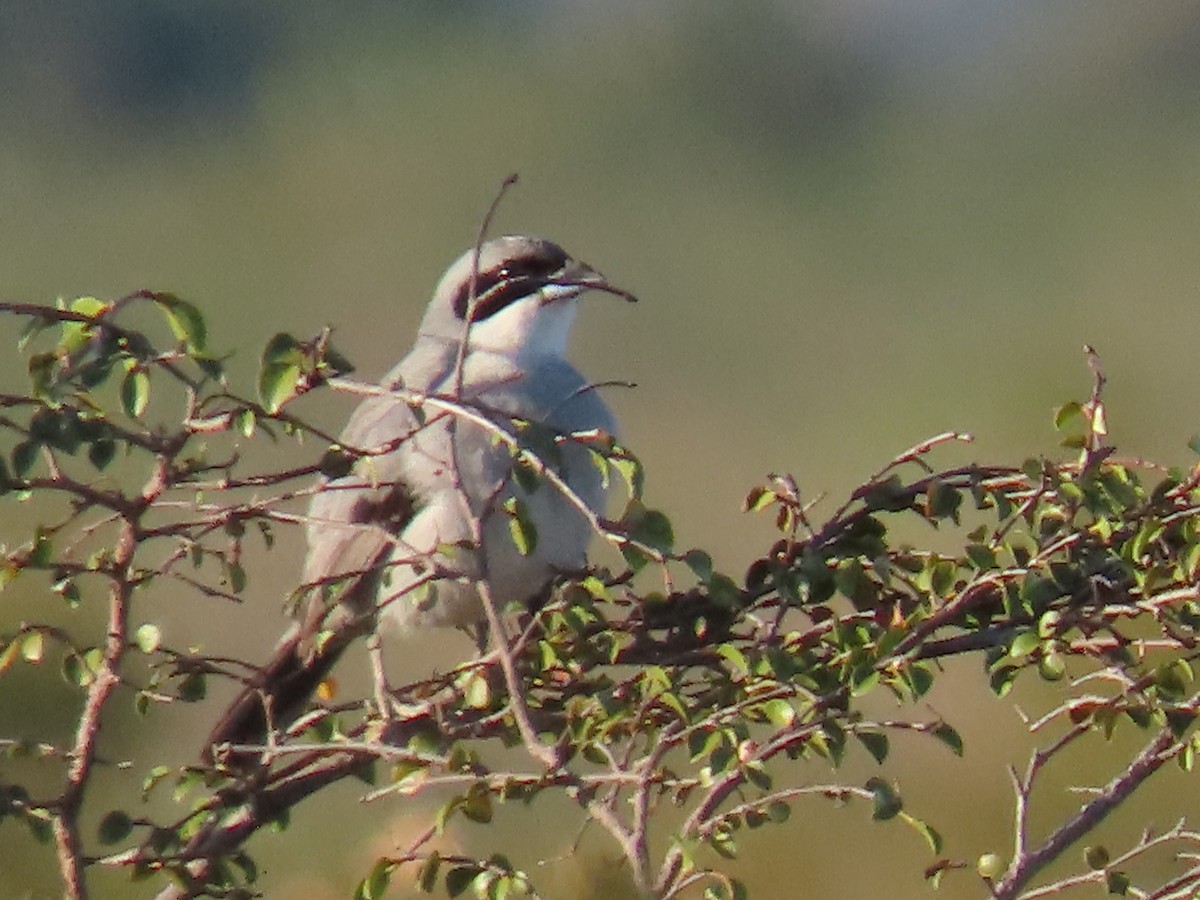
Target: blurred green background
{"type": "Point", "coordinates": [852, 223]}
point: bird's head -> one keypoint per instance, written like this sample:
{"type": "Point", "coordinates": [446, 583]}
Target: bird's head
{"type": "Point", "coordinates": [517, 296]}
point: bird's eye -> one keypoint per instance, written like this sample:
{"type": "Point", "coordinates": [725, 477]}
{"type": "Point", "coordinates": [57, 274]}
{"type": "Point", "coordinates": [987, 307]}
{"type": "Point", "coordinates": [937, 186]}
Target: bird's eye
{"type": "Point", "coordinates": [510, 281]}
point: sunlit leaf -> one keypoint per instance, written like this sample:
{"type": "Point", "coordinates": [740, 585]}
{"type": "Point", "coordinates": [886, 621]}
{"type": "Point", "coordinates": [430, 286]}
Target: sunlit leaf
{"type": "Point", "coordinates": [147, 637]}
{"type": "Point", "coordinates": [185, 322]}
{"type": "Point", "coordinates": [990, 865]}
{"type": "Point", "coordinates": [521, 527]}
{"type": "Point", "coordinates": [135, 393]}
{"type": "Point", "coordinates": [758, 499]}
{"type": "Point", "coordinates": [280, 370]}
{"type": "Point", "coordinates": [33, 647]}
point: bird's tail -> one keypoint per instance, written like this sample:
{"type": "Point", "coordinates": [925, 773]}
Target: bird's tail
{"type": "Point", "coordinates": [277, 695]}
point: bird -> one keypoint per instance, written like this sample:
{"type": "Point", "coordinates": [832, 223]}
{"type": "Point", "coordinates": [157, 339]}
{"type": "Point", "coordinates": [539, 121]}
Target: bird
{"type": "Point", "coordinates": [404, 539]}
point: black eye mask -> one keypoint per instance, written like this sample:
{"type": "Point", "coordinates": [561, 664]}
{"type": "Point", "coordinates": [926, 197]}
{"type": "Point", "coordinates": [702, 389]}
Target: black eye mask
{"type": "Point", "coordinates": [509, 281]}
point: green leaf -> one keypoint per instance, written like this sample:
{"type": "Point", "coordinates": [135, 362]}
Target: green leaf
{"type": "Point", "coordinates": [33, 647]}
{"type": "Point", "coordinates": [75, 335]}
{"type": "Point", "coordinates": [279, 374]}
{"type": "Point", "coordinates": [1048, 624]}
{"type": "Point", "coordinates": [724, 592]}
{"type": "Point", "coordinates": [1001, 680]}
{"type": "Point", "coordinates": [736, 659]}
{"type": "Point", "coordinates": [628, 467]}
{"type": "Point", "coordinates": [700, 563]}
{"type": "Point", "coordinates": [863, 679]}
{"type": "Point", "coordinates": [1024, 644]}
{"type": "Point", "coordinates": [779, 712]}
{"type": "Point", "coordinates": [148, 637]}
{"type": "Point", "coordinates": [1117, 883]}
{"type": "Point", "coordinates": [722, 841]}
{"type": "Point", "coordinates": [759, 499]}
{"type": "Point", "coordinates": [427, 876]}
{"type": "Point", "coordinates": [929, 833]}
{"type": "Point", "coordinates": [729, 889]}
{"type": "Point", "coordinates": [235, 573]}
{"type": "Point", "coordinates": [981, 557]}
{"type": "Point", "coordinates": [887, 802]}
{"type": "Point", "coordinates": [74, 672]}
{"type": "Point", "coordinates": [277, 385]}
{"type": "Point", "coordinates": [476, 690]}
{"type": "Point", "coordinates": [38, 821]}
{"type": "Point", "coordinates": [525, 475]}
{"type": "Point", "coordinates": [88, 306]}
{"type": "Point", "coordinates": [877, 744]}
{"type": "Point", "coordinates": [950, 737]}
{"type": "Point", "coordinates": [1179, 721]}
{"type": "Point", "coordinates": [889, 495]}
{"type": "Point", "coordinates": [459, 879]}
{"type": "Point", "coordinates": [24, 455]}
{"type": "Point", "coordinates": [1067, 414]}
{"type": "Point", "coordinates": [244, 421]}
{"type": "Point", "coordinates": [114, 827]}
{"type": "Point", "coordinates": [185, 322]}
{"type": "Point", "coordinates": [1096, 856]}
{"type": "Point", "coordinates": [68, 590]}
{"type": "Point", "coordinates": [702, 743]}
{"type": "Point", "coordinates": [854, 584]}
{"type": "Point", "coordinates": [154, 778]}
{"type": "Point", "coordinates": [193, 688]}
{"type": "Point", "coordinates": [446, 810]}
{"type": "Point", "coordinates": [942, 501]}
{"type": "Point", "coordinates": [520, 525]}
{"type": "Point", "coordinates": [989, 865]}
{"type": "Point", "coordinates": [649, 527]}
{"type": "Point", "coordinates": [8, 655]}
{"type": "Point", "coordinates": [920, 679]}
{"type": "Point", "coordinates": [42, 369]}
{"type": "Point", "coordinates": [1052, 666]}
{"type": "Point", "coordinates": [375, 885]}
{"type": "Point", "coordinates": [135, 393]}
{"type": "Point", "coordinates": [101, 453]}
{"type": "Point", "coordinates": [336, 463]}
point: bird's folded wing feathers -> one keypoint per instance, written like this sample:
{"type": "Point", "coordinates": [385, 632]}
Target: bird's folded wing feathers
{"type": "Point", "coordinates": [352, 521]}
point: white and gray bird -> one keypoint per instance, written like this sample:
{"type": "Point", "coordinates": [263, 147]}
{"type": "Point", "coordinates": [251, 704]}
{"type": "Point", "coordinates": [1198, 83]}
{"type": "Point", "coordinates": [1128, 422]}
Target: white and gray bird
{"type": "Point", "coordinates": [395, 540]}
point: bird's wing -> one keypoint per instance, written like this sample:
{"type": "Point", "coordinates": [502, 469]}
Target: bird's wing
{"type": "Point", "coordinates": [353, 520]}
{"type": "Point", "coordinates": [351, 525]}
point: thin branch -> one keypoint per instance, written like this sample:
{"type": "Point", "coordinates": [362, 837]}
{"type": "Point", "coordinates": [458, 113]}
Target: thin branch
{"type": "Point", "coordinates": [1027, 863]}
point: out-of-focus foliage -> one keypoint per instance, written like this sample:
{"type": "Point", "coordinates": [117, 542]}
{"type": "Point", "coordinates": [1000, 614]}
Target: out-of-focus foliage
{"type": "Point", "coordinates": [679, 709]}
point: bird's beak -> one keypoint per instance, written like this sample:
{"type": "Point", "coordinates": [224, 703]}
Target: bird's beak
{"type": "Point", "coordinates": [582, 276]}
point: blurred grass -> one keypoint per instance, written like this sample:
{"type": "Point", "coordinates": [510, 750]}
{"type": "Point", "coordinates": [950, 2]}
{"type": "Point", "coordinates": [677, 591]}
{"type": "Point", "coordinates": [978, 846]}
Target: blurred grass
{"type": "Point", "coordinates": [852, 225]}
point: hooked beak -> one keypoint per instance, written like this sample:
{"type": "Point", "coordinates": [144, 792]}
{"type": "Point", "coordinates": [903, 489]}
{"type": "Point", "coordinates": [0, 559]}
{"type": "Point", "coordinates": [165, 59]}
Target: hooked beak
{"type": "Point", "coordinates": [576, 274]}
